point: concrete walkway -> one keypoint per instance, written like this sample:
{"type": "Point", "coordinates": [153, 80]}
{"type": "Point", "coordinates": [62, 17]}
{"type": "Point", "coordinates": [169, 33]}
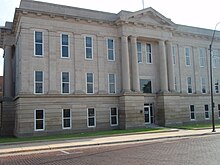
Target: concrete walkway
{"type": "Point", "coordinates": [10, 148]}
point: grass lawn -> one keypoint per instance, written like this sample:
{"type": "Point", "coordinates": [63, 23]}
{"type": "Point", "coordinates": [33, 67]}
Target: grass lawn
{"type": "Point", "coordinates": [80, 135]}
{"type": "Point", "coordinates": [196, 126]}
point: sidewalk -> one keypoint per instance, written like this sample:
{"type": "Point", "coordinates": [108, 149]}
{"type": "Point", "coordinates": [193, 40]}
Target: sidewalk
{"type": "Point", "coordinates": [59, 144]}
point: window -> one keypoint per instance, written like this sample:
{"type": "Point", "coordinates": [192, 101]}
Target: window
{"type": "Point", "coordinates": [139, 52]}
{"type": "Point", "coordinates": [66, 119]}
{"type": "Point", "coordinates": [206, 112]}
{"type": "Point", "coordinates": [215, 58]}
{"type": "Point", "coordinates": [91, 117]}
{"type": "Point", "coordinates": [39, 82]}
{"type": "Point", "coordinates": [38, 37]}
{"type": "Point", "coordinates": [149, 53]}
{"type": "Point", "coordinates": [88, 48]}
{"type": "Point", "coordinates": [174, 52]}
{"type": "Point", "coordinates": [175, 84]}
{"type": "Point", "coordinates": [89, 83]}
{"type": "Point", "coordinates": [187, 56]}
{"type": "Point", "coordinates": [216, 86]}
{"type": "Point", "coordinates": [218, 110]}
{"type": "Point", "coordinates": [202, 55]}
{"type": "Point", "coordinates": [64, 46]}
{"type": "Point", "coordinates": [189, 85]}
{"type": "Point", "coordinates": [111, 49]}
{"type": "Point", "coordinates": [39, 120]}
{"type": "Point", "coordinates": [111, 83]}
{"type": "Point", "coordinates": [65, 84]}
{"type": "Point", "coordinates": [203, 85]}
{"type": "Point", "coordinates": [145, 86]}
{"type": "Point", "coordinates": [114, 117]}
{"type": "Point", "coordinates": [192, 112]}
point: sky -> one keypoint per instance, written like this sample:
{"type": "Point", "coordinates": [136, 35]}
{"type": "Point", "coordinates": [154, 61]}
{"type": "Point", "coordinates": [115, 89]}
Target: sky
{"type": "Point", "coordinates": [197, 13]}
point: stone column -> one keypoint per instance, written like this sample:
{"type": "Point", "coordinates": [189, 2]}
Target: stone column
{"type": "Point", "coordinates": [170, 67]}
{"type": "Point", "coordinates": [163, 67]}
{"type": "Point", "coordinates": [8, 72]}
{"type": "Point", "coordinates": [125, 64]}
{"type": "Point", "coordinates": [134, 64]}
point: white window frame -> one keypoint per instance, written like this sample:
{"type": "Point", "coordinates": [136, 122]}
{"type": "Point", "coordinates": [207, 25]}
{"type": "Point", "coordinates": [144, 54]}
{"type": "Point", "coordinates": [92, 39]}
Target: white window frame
{"type": "Point", "coordinates": [110, 49]}
{"type": "Point", "coordinates": [215, 58]}
{"type": "Point", "coordinates": [65, 118]}
{"type": "Point", "coordinates": [113, 125]}
{"type": "Point", "coordinates": [91, 117]}
{"type": "Point", "coordinates": [174, 53]}
{"type": "Point", "coordinates": [35, 120]}
{"type": "Point", "coordinates": [42, 82]}
{"type": "Point", "coordinates": [61, 45]}
{"type": "Point", "coordinates": [149, 54]}
{"type": "Point", "coordinates": [90, 83]}
{"type": "Point", "coordinates": [189, 85]}
{"type": "Point", "coordinates": [88, 47]}
{"type": "Point", "coordinates": [205, 111]}
{"type": "Point", "coordinates": [203, 85]}
{"type": "Point", "coordinates": [139, 53]}
{"type": "Point", "coordinates": [65, 82]}
{"type": "Point", "coordinates": [187, 56]}
{"type": "Point", "coordinates": [38, 43]}
{"type": "Point", "coordinates": [202, 57]}
{"type": "Point", "coordinates": [109, 84]}
{"type": "Point", "coordinates": [192, 112]}
{"type": "Point", "coordinates": [216, 85]}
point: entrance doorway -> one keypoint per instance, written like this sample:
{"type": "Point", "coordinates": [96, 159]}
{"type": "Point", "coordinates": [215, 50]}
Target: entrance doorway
{"type": "Point", "coordinates": [148, 114]}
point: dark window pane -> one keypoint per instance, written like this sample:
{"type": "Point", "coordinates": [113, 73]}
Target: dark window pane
{"type": "Point", "coordinates": [113, 111]}
{"type": "Point", "coordinates": [114, 120]}
{"type": "Point", "coordinates": [38, 49]}
{"type": "Point", "coordinates": [110, 54]}
{"type": "Point", "coordinates": [88, 53]}
{"type": "Point", "coordinates": [39, 114]}
{"type": "Point", "coordinates": [91, 122]}
{"type": "Point", "coordinates": [64, 39]}
{"type": "Point", "coordinates": [91, 112]}
{"type": "Point", "coordinates": [192, 116]}
{"type": "Point", "coordinates": [89, 88]}
{"type": "Point", "coordinates": [66, 123]}
{"type": "Point", "coordinates": [39, 37]}
{"type": "Point", "coordinates": [65, 76]}
{"type": "Point", "coordinates": [65, 51]}
{"type": "Point", "coordinates": [89, 77]}
{"type": "Point", "coordinates": [88, 41]}
{"type": "Point", "coordinates": [110, 44]}
{"type": "Point", "coordinates": [66, 113]}
{"type": "Point", "coordinates": [39, 124]}
{"type": "Point", "coordinates": [65, 87]}
{"type": "Point", "coordinates": [38, 76]}
{"type": "Point", "coordinates": [38, 88]}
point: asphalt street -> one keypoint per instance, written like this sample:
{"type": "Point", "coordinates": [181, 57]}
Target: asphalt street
{"type": "Point", "coordinates": [200, 150]}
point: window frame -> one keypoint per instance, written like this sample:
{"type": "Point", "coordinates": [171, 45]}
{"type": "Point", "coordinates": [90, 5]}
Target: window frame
{"type": "Point", "coordinates": [189, 85]}
{"type": "Point", "coordinates": [203, 85]}
{"type": "Point", "coordinates": [85, 47]}
{"type": "Point", "coordinates": [187, 56]}
{"type": "Point", "coordinates": [139, 52]}
{"type": "Point", "coordinates": [174, 53]}
{"type": "Point", "coordinates": [89, 83]}
{"type": "Point", "coordinates": [206, 112]}
{"type": "Point", "coordinates": [65, 82]}
{"type": "Point", "coordinates": [108, 49]}
{"type": "Point", "coordinates": [38, 82]}
{"type": "Point", "coordinates": [65, 118]}
{"type": "Point", "coordinates": [88, 117]}
{"type": "Point", "coordinates": [219, 111]}
{"type": "Point", "coordinates": [61, 45]}
{"type": "Point", "coordinates": [35, 43]}
{"type": "Point", "coordinates": [149, 54]}
{"type": "Point", "coordinates": [202, 57]}
{"type": "Point", "coordinates": [109, 83]}
{"type": "Point", "coordinates": [192, 111]}
{"type": "Point", "coordinates": [113, 125]}
{"type": "Point", "coordinates": [216, 86]}
{"type": "Point", "coordinates": [150, 84]}
{"type": "Point", "coordinates": [35, 120]}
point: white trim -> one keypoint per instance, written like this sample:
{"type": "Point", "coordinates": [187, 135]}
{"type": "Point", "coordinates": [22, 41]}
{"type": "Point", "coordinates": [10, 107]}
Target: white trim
{"type": "Point", "coordinates": [70, 118]}
{"type": "Point", "coordinates": [202, 57]}
{"type": "Point", "coordinates": [114, 83]}
{"type": "Point", "coordinates": [89, 47]}
{"type": "Point", "coordinates": [92, 83]}
{"type": "Point", "coordinates": [188, 84]}
{"type": "Point", "coordinates": [35, 129]}
{"type": "Point", "coordinates": [61, 45]}
{"type": "Point", "coordinates": [88, 117]}
{"type": "Point", "coordinates": [151, 53]}
{"type": "Point", "coordinates": [187, 57]}
{"type": "Point", "coordinates": [138, 42]}
{"type": "Point", "coordinates": [108, 48]}
{"type": "Point", "coordinates": [113, 125]}
{"type": "Point", "coordinates": [61, 84]}
{"type": "Point", "coordinates": [39, 43]}
{"type": "Point", "coordinates": [38, 82]}
{"type": "Point", "coordinates": [147, 106]}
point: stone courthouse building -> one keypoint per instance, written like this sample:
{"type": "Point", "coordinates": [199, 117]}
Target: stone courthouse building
{"type": "Point", "coordinates": [69, 70]}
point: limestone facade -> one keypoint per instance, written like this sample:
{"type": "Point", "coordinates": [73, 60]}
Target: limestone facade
{"type": "Point", "coordinates": [73, 70]}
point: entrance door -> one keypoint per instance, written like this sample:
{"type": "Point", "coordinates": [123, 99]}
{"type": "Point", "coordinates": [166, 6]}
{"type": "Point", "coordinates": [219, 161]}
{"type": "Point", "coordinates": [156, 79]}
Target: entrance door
{"type": "Point", "coordinates": [148, 115]}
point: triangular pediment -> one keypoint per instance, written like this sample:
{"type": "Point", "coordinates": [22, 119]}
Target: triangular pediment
{"type": "Point", "coordinates": [147, 16]}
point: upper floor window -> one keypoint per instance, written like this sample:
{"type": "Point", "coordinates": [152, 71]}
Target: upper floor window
{"type": "Point", "coordinates": [64, 46]}
{"type": "Point", "coordinates": [203, 85]}
{"type": "Point", "coordinates": [111, 83]}
{"type": "Point", "coordinates": [89, 83]}
{"type": "Point", "coordinates": [39, 43]}
{"type": "Point", "coordinates": [216, 86]}
{"type": "Point", "coordinates": [187, 56]}
{"type": "Point", "coordinates": [215, 58]}
{"type": "Point", "coordinates": [174, 52]}
{"type": "Point", "coordinates": [175, 83]}
{"type": "Point", "coordinates": [139, 52]}
{"type": "Point", "coordinates": [39, 82]}
{"type": "Point", "coordinates": [111, 49]}
{"type": "Point", "coordinates": [88, 48]}
{"type": "Point", "coordinates": [202, 55]}
{"type": "Point", "coordinates": [145, 86]}
{"type": "Point", "coordinates": [149, 53]}
{"type": "Point", "coordinates": [65, 84]}
{"type": "Point", "coordinates": [189, 85]}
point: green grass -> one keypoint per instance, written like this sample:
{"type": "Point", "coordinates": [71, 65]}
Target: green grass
{"type": "Point", "coordinates": [196, 126]}
{"type": "Point", "coordinates": [79, 135]}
